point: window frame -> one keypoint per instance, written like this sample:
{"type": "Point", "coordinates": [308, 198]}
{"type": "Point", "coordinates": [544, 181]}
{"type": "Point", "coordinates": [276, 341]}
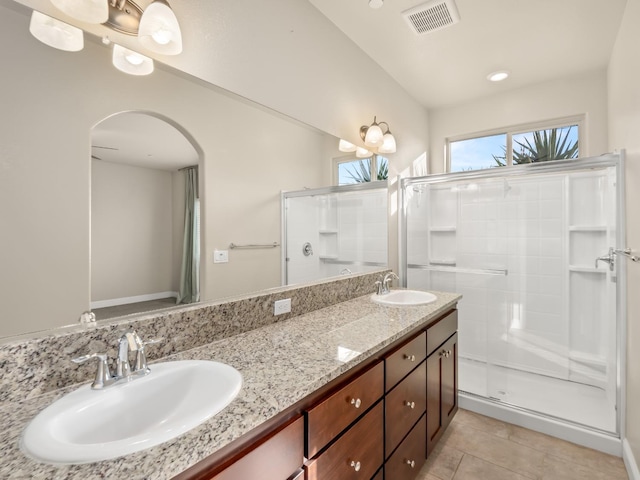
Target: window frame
{"type": "Point", "coordinates": [579, 120]}
{"type": "Point", "coordinates": [373, 164]}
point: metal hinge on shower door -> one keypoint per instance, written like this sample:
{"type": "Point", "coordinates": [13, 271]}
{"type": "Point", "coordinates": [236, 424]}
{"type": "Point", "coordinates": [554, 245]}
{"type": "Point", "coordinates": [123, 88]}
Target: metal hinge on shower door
{"type": "Point", "coordinates": [610, 257]}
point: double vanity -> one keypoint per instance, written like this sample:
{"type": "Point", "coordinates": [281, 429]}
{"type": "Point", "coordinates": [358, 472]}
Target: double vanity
{"type": "Point", "coordinates": [357, 389]}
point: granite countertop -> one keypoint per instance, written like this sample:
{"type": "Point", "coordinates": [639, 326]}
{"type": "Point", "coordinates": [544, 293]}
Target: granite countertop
{"type": "Point", "coordinates": [280, 364]}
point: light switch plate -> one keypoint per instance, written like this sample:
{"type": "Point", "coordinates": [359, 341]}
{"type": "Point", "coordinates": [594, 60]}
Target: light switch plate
{"type": "Point", "coordinates": [220, 256]}
{"type": "Point", "coordinates": [282, 306]}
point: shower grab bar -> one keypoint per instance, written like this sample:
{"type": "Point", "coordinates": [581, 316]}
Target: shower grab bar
{"type": "Point", "coordinates": [267, 245]}
{"type": "Point", "coordinates": [475, 271]}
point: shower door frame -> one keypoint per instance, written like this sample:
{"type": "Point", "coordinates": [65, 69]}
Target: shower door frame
{"type": "Point", "coordinates": [311, 192]}
{"type": "Point", "coordinates": [616, 160]}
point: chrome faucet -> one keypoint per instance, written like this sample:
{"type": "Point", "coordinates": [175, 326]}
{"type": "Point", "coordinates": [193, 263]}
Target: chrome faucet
{"type": "Point", "coordinates": [127, 343]}
{"type": "Point", "coordinates": [384, 284]}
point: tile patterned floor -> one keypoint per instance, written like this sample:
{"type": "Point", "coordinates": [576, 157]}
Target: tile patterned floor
{"type": "Point", "coordinates": [476, 447]}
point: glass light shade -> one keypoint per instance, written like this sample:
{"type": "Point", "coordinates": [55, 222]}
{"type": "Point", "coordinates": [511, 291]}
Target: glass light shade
{"type": "Point", "coordinates": [388, 144]}
{"type": "Point", "coordinates": [55, 33]}
{"type": "Point", "coordinates": [90, 11]}
{"type": "Point", "coordinates": [373, 138]}
{"type": "Point", "coordinates": [131, 62]}
{"type": "Point", "coordinates": [159, 30]}
{"type": "Point", "coordinates": [498, 76]}
{"type": "Point", "coordinates": [362, 152]}
{"type": "Point", "coordinates": [345, 146]}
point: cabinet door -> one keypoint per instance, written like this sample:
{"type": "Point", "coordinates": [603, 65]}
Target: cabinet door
{"type": "Point", "coordinates": [442, 389]}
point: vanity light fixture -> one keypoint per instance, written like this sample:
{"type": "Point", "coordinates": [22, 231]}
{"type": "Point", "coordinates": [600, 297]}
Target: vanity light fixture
{"type": "Point", "coordinates": [376, 136]}
{"type": "Point", "coordinates": [152, 21]}
{"type": "Point", "coordinates": [131, 62]}
{"type": "Point", "coordinates": [55, 33]}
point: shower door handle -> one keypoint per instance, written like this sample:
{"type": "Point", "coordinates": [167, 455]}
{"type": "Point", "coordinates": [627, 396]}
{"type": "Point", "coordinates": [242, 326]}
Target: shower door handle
{"type": "Point", "coordinates": [609, 258]}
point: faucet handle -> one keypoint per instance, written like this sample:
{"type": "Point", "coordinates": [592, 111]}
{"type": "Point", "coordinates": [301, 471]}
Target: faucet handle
{"type": "Point", "coordinates": [103, 375]}
{"type": "Point", "coordinates": [141, 366]}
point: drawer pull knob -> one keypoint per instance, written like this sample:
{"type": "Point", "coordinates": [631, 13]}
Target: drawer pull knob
{"type": "Point", "coordinates": [356, 402]}
{"type": "Point", "coordinates": [411, 405]}
{"type": "Point", "coordinates": [445, 353]}
{"type": "Point", "coordinates": [411, 463]}
{"type": "Point", "coordinates": [355, 465]}
{"type": "Point", "coordinates": [411, 358]}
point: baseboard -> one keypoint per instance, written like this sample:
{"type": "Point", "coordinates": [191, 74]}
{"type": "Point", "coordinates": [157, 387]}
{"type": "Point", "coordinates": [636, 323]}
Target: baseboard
{"type": "Point", "coordinates": [630, 461]}
{"type": "Point", "coordinates": [126, 300]}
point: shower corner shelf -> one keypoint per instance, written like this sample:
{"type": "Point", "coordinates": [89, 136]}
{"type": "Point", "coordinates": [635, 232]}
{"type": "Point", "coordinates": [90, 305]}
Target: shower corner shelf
{"type": "Point", "coordinates": [444, 228]}
{"type": "Point", "coordinates": [587, 228]}
{"type": "Point", "coordinates": [328, 232]}
{"type": "Point", "coordinates": [575, 268]}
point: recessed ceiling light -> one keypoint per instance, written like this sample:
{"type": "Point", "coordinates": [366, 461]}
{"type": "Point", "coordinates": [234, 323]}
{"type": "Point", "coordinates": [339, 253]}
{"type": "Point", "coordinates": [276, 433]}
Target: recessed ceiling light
{"type": "Point", "coordinates": [497, 76]}
{"type": "Point", "coordinates": [376, 3]}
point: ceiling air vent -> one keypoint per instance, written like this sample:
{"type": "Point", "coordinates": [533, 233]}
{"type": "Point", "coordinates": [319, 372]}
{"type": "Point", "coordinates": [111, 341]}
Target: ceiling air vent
{"type": "Point", "coordinates": [432, 16]}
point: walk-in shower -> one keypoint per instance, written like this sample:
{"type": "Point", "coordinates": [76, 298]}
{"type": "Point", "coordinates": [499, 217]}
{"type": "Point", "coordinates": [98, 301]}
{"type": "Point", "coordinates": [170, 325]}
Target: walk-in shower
{"type": "Point", "coordinates": [334, 230]}
{"type": "Point", "coordinates": [539, 323]}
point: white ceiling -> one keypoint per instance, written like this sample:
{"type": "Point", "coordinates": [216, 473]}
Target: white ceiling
{"type": "Point", "coordinates": [536, 40]}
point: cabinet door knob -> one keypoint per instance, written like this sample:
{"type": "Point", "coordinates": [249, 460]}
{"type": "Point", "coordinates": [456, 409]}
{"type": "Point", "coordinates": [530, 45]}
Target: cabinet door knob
{"type": "Point", "coordinates": [410, 404]}
{"type": "Point", "coordinates": [355, 465]}
{"type": "Point", "coordinates": [443, 353]}
{"type": "Point", "coordinates": [411, 463]}
{"type": "Point", "coordinates": [411, 358]}
{"type": "Point", "coordinates": [356, 402]}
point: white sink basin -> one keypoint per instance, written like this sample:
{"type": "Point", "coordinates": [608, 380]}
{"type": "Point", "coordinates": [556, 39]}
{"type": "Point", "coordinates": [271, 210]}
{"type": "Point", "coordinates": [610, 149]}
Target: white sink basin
{"type": "Point", "coordinates": [399, 298]}
{"type": "Point", "coordinates": [92, 425]}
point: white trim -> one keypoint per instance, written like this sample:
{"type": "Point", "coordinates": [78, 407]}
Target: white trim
{"type": "Point", "coordinates": [138, 298]}
{"type": "Point", "coordinates": [630, 461]}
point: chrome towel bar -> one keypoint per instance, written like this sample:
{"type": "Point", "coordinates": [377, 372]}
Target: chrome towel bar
{"type": "Point", "coordinates": [267, 245]}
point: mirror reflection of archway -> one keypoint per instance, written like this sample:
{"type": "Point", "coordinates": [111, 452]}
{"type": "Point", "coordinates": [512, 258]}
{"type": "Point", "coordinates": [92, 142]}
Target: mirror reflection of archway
{"type": "Point", "coordinates": [145, 238]}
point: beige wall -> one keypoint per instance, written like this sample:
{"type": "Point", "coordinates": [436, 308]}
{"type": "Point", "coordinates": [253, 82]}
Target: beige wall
{"type": "Point", "coordinates": [131, 231]}
{"type": "Point", "coordinates": [624, 132]}
{"type": "Point", "coordinates": [585, 94]}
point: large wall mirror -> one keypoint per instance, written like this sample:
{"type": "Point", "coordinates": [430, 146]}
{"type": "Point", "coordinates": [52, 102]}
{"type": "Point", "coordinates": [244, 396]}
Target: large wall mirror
{"type": "Point", "coordinates": [49, 183]}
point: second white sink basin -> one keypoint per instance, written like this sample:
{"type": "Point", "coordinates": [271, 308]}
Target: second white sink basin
{"type": "Point", "coordinates": [91, 425]}
{"type": "Point", "coordinates": [398, 298]}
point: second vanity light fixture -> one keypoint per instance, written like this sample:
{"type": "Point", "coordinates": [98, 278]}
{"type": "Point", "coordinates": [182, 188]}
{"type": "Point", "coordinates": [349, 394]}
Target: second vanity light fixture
{"type": "Point", "coordinates": [376, 136]}
{"type": "Point", "coordinates": [155, 25]}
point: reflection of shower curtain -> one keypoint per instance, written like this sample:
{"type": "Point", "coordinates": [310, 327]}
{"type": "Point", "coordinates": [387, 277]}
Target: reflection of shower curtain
{"type": "Point", "coordinates": [190, 272]}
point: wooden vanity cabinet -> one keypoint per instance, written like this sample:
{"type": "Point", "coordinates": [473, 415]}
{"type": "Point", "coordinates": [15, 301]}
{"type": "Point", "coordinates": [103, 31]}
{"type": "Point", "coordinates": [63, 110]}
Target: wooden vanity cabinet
{"type": "Point", "coordinates": [442, 377]}
{"type": "Point", "coordinates": [408, 459]}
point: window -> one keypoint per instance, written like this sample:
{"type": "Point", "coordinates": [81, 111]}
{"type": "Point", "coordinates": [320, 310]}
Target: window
{"type": "Point", "coordinates": [350, 171]}
{"type": "Point", "coordinates": [519, 145]}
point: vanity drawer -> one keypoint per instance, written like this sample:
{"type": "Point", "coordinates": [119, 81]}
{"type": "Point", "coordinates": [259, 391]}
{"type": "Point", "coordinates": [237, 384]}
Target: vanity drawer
{"type": "Point", "coordinates": [404, 359]}
{"type": "Point", "coordinates": [408, 459]}
{"type": "Point", "coordinates": [438, 333]}
{"type": "Point", "coordinates": [326, 420]}
{"type": "Point", "coordinates": [379, 475]}
{"type": "Point", "coordinates": [278, 457]}
{"type": "Point", "coordinates": [356, 455]}
{"type": "Point", "coordinates": [404, 406]}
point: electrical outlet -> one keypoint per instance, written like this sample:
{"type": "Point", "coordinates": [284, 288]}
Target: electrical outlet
{"type": "Point", "coordinates": [282, 306]}
{"type": "Point", "coordinates": [220, 256]}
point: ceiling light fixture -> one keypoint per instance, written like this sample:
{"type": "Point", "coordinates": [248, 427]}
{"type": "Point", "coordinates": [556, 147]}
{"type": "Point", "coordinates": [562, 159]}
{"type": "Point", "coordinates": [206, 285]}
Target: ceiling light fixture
{"type": "Point", "coordinates": [55, 33]}
{"type": "Point", "coordinates": [498, 76]}
{"type": "Point", "coordinates": [375, 4]}
{"type": "Point", "coordinates": [152, 21]}
{"type": "Point", "coordinates": [376, 136]}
